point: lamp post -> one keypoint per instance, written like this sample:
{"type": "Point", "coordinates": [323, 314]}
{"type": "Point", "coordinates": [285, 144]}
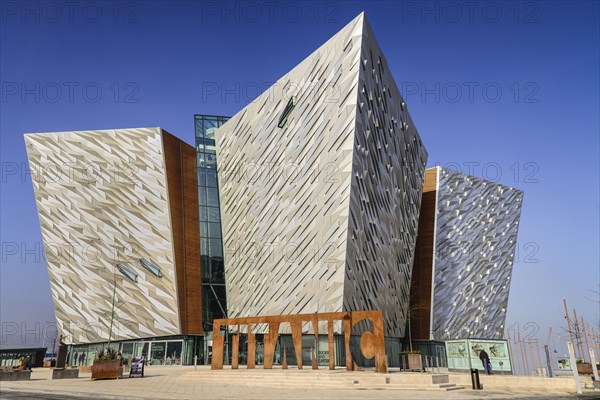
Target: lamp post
{"type": "Point", "coordinates": [112, 311]}
{"type": "Point", "coordinates": [54, 348]}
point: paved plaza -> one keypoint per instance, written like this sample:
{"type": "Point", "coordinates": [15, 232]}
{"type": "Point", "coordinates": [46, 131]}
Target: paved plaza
{"type": "Point", "coordinates": [202, 383]}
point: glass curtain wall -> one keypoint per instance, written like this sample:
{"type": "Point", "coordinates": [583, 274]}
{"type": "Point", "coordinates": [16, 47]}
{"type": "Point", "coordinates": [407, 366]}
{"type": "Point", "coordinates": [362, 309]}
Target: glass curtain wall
{"type": "Point", "coordinates": [214, 303]}
{"type": "Point", "coordinates": [174, 350]}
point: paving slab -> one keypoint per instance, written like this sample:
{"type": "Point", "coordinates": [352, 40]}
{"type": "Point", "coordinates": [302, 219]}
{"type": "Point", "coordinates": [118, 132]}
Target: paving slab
{"type": "Point", "coordinates": [175, 383]}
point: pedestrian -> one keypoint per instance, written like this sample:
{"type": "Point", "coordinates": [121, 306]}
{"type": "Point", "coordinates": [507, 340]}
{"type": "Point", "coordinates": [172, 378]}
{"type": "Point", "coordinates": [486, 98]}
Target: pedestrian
{"type": "Point", "coordinates": [485, 359]}
{"type": "Point", "coordinates": [28, 363]}
{"type": "Point", "coordinates": [21, 360]}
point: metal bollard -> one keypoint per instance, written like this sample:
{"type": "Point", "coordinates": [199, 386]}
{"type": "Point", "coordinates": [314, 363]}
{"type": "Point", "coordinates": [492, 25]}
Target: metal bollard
{"type": "Point", "coordinates": [475, 379]}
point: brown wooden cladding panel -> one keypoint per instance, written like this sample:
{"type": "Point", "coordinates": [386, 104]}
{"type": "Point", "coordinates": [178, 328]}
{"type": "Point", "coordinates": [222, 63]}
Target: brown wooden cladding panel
{"type": "Point", "coordinates": [182, 180]}
{"type": "Point", "coordinates": [192, 240]}
{"type": "Point", "coordinates": [430, 182]}
{"type": "Point", "coordinates": [421, 281]}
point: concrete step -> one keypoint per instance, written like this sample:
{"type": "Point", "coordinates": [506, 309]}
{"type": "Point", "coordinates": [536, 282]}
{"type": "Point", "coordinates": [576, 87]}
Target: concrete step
{"type": "Point", "coordinates": [325, 379]}
{"type": "Point", "coordinates": [358, 387]}
{"type": "Point", "coordinates": [450, 386]}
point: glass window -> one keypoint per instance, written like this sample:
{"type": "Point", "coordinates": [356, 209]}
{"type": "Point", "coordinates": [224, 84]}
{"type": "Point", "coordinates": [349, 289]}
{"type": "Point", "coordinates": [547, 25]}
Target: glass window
{"type": "Point", "coordinates": [308, 347]}
{"type": "Point", "coordinates": [211, 178]}
{"type": "Point", "coordinates": [213, 214]}
{"type": "Point", "coordinates": [205, 142]}
{"type": "Point", "coordinates": [157, 353]}
{"type": "Point", "coordinates": [188, 352]}
{"type": "Point", "coordinates": [201, 160]}
{"type": "Point", "coordinates": [214, 230]}
{"type": "Point", "coordinates": [79, 355]}
{"type": "Point", "coordinates": [260, 349]}
{"type": "Point", "coordinates": [126, 352]}
{"type": "Point", "coordinates": [209, 129]}
{"type": "Point", "coordinates": [203, 214]}
{"type": "Point", "coordinates": [199, 122]}
{"type": "Point", "coordinates": [215, 247]}
{"type": "Point", "coordinates": [204, 265]}
{"type": "Point", "coordinates": [89, 355]}
{"type": "Point", "coordinates": [212, 197]}
{"type": "Point", "coordinates": [204, 246]}
{"type": "Point", "coordinates": [174, 353]}
{"type": "Point", "coordinates": [201, 177]}
{"type": "Point", "coordinates": [203, 229]}
{"type": "Point", "coordinates": [202, 196]}
{"type": "Point", "coordinates": [210, 161]}
{"type": "Point", "coordinates": [217, 270]}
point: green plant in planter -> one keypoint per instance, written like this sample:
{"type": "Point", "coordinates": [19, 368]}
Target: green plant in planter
{"type": "Point", "coordinates": [407, 352]}
{"type": "Point", "coordinates": [106, 355]}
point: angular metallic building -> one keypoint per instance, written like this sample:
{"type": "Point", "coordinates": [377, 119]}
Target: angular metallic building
{"type": "Point", "coordinates": [464, 257]}
{"type": "Point", "coordinates": [320, 182]}
{"type": "Point", "coordinates": [118, 211]}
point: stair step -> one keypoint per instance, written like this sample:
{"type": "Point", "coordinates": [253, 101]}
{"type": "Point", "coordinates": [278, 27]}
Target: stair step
{"type": "Point", "coordinates": [455, 387]}
{"type": "Point", "coordinates": [325, 379]}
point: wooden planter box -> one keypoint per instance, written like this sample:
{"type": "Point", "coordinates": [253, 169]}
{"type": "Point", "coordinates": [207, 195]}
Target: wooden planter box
{"type": "Point", "coordinates": [107, 369]}
{"type": "Point", "coordinates": [415, 362]}
{"type": "Point", "coordinates": [584, 368]}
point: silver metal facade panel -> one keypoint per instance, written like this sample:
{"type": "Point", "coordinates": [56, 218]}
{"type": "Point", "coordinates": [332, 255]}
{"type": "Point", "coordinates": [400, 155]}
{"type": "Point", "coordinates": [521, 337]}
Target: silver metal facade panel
{"type": "Point", "coordinates": [387, 183]}
{"type": "Point", "coordinates": [102, 201]}
{"type": "Point", "coordinates": [302, 233]}
{"type": "Point", "coordinates": [476, 238]}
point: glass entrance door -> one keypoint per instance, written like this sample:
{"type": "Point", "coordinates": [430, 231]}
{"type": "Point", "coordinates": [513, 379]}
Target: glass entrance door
{"type": "Point", "coordinates": [440, 352]}
{"type": "Point", "coordinates": [141, 350]}
{"type": "Point", "coordinates": [173, 356]}
{"type": "Point", "coordinates": [157, 353]}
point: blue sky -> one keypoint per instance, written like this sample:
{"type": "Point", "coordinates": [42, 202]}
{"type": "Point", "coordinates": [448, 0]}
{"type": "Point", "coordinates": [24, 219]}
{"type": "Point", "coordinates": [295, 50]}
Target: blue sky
{"type": "Point", "coordinates": [505, 90]}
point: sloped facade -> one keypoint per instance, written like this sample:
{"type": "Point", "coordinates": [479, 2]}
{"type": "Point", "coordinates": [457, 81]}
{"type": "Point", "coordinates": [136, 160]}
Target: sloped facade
{"type": "Point", "coordinates": [464, 257]}
{"type": "Point", "coordinates": [118, 212]}
{"type": "Point", "coordinates": [320, 182]}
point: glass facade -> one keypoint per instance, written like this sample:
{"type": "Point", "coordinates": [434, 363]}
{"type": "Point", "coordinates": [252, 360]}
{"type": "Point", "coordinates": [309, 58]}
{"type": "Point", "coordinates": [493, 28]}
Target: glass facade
{"type": "Point", "coordinates": [214, 304]}
{"type": "Point", "coordinates": [10, 357]}
{"type": "Point", "coordinates": [170, 350]}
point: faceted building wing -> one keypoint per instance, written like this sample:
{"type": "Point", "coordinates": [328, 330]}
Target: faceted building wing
{"type": "Point", "coordinates": [320, 182]}
{"type": "Point", "coordinates": [118, 213]}
{"type": "Point", "coordinates": [465, 253]}
{"type": "Point", "coordinates": [388, 164]}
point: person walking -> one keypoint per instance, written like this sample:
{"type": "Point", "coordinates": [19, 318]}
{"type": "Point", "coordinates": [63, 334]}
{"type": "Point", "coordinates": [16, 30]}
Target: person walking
{"type": "Point", "coordinates": [27, 363]}
{"type": "Point", "coordinates": [485, 359]}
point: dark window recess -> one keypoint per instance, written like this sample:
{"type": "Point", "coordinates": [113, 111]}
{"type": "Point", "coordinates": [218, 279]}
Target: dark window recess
{"type": "Point", "coordinates": [150, 266]}
{"type": "Point", "coordinates": [286, 113]}
{"type": "Point", "coordinates": [127, 271]}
